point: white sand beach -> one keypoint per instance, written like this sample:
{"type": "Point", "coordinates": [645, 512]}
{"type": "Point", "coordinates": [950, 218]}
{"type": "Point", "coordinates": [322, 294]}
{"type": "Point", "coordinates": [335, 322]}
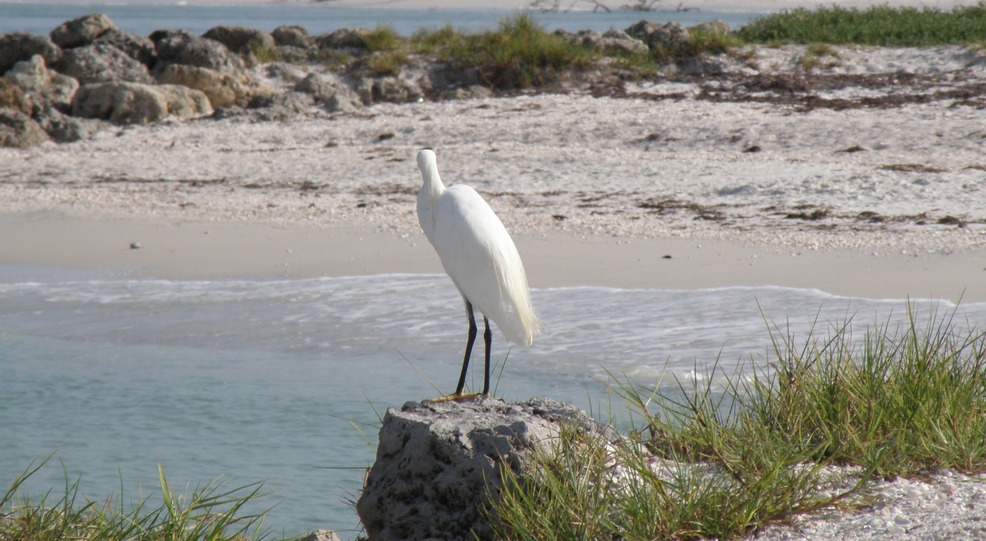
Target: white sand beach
{"type": "Point", "coordinates": [644, 190]}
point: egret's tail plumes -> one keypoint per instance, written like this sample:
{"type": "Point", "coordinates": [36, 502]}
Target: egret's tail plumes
{"type": "Point", "coordinates": [521, 324]}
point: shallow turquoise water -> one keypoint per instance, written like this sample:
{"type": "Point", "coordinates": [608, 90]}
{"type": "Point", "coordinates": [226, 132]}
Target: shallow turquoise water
{"type": "Point", "coordinates": [282, 380]}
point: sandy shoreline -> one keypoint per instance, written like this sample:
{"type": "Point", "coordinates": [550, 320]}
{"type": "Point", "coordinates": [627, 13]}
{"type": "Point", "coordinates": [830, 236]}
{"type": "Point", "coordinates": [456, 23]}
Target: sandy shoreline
{"type": "Point", "coordinates": [209, 250]}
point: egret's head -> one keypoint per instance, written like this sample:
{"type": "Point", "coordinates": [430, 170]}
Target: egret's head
{"type": "Point", "coordinates": [426, 160]}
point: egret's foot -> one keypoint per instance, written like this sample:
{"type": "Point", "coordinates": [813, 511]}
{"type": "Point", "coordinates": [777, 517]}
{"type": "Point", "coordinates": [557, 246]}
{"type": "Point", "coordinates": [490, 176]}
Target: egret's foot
{"type": "Point", "coordinates": [456, 396]}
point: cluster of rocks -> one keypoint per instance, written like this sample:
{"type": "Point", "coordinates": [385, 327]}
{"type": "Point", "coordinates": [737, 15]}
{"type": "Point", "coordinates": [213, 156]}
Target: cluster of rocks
{"type": "Point", "coordinates": [87, 72]}
{"type": "Point", "coordinates": [642, 36]}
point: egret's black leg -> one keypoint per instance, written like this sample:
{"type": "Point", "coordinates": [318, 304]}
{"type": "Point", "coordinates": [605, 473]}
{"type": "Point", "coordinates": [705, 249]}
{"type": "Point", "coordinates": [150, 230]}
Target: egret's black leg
{"type": "Point", "coordinates": [469, 342]}
{"type": "Point", "coordinates": [488, 339]}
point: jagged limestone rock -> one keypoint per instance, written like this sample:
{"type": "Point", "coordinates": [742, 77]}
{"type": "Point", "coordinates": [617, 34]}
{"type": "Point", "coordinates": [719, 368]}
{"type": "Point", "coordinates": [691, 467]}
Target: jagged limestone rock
{"type": "Point", "coordinates": [438, 464]}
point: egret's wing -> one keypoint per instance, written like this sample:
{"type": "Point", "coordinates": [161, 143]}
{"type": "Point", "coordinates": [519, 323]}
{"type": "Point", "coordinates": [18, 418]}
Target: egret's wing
{"type": "Point", "coordinates": [482, 260]}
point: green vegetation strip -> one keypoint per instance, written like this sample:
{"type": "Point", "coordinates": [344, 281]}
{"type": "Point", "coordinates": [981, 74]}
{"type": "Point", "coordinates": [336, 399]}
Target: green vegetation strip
{"type": "Point", "coordinates": [880, 25]}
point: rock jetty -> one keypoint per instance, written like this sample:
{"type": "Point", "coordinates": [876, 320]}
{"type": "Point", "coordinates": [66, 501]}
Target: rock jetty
{"type": "Point", "coordinates": [88, 72]}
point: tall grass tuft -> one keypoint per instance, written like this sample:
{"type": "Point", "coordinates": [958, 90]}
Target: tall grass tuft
{"type": "Point", "coordinates": [439, 41]}
{"type": "Point", "coordinates": [705, 460]}
{"type": "Point", "coordinates": [520, 54]}
{"type": "Point", "coordinates": [213, 512]}
{"type": "Point", "coordinates": [383, 39]}
{"type": "Point", "coordinates": [902, 402]}
{"type": "Point", "coordinates": [878, 25]}
{"type": "Point", "coordinates": [388, 51]}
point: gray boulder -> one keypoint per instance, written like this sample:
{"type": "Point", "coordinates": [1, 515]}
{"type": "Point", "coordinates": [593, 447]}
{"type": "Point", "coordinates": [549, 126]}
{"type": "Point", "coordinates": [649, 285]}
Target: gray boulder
{"type": "Point", "coordinates": [284, 72]}
{"type": "Point", "coordinates": [223, 88]}
{"type": "Point", "coordinates": [18, 130]}
{"type": "Point", "coordinates": [19, 46]}
{"type": "Point", "coordinates": [14, 98]}
{"type": "Point", "coordinates": [668, 36]}
{"type": "Point", "coordinates": [611, 42]}
{"type": "Point", "coordinates": [241, 40]}
{"type": "Point", "coordinates": [328, 91]}
{"type": "Point", "coordinates": [282, 106]}
{"type": "Point", "coordinates": [438, 464]}
{"type": "Point", "coordinates": [471, 92]}
{"type": "Point", "coordinates": [135, 46]}
{"type": "Point", "coordinates": [344, 38]}
{"type": "Point", "coordinates": [81, 31]}
{"type": "Point", "coordinates": [49, 88]}
{"type": "Point", "coordinates": [63, 128]}
{"type": "Point", "coordinates": [292, 36]}
{"type": "Point", "coordinates": [135, 103]}
{"type": "Point", "coordinates": [618, 41]}
{"type": "Point", "coordinates": [179, 47]}
{"type": "Point", "coordinates": [715, 26]}
{"type": "Point", "coordinates": [102, 62]}
{"type": "Point", "coordinates": [388, 89]}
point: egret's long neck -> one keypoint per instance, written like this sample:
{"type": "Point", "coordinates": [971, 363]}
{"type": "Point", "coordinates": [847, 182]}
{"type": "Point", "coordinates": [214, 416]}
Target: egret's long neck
{"type": "Point", "coordinates": [428, 196]}
{"type": "Point", "coordinates": [432, 183]}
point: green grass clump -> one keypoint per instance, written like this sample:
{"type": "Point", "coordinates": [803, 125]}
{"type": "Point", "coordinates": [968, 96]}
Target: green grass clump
{"type": "Point", "coordinates": [383, 38]}
{"type": "Point", "coordinates": [901, 404]}
{"type": "Point", "coordinates": [585, 488]}
{"type": "Point", "coordinates": [388, 51]}
{"type": "Point", "coordinates": [520, 54]}
{"type": "Point", "coordinates": [711, 462]}
{"type": "Point", "coordinates": [438, 41]}
{"type": "Point", "coordinates": [878, 25]}
{"type": "Point", "coordinates": [210, 513]}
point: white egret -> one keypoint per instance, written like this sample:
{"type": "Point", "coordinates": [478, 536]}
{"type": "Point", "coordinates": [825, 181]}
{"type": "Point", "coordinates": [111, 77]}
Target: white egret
{"type": "Point", "coordinates": [480, 258]}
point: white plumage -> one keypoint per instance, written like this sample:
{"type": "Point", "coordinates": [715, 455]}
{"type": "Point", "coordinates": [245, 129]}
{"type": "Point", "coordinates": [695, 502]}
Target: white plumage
{"type": "Point", "coordinates": [478, 255]}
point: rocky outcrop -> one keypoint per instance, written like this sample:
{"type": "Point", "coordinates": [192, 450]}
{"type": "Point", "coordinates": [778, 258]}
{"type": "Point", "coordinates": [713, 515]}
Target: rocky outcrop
{"type": "Point", "coordinates": [48, 88]}
{"type": "Point", "coordinates": [205, 65]}
{"type": "Point", "coordinates": [610, 42]}
{"type": "Point", "coordinates": [438, 464]}
{"type": "Point", "coordinates": [14, 98]}
{"type": "Point", "coordinates": [100, 63]}
{"type": "Point", "coordinates": [135, 103]}
{"type": "Point", "coordinates": [222, 89]}
{"type": "Point", "coordinates": [18, 130]}
{"type": "Point", "coordinates": [22, 46]}
{"type": "Point", "coordinates": [241, 40]}
{"type": "Point", "coordinates": [292, 36]}
{"type": "Point", "coordinates": [668, 36]}
{"type": "Point", "coordinates": [63, 128]}
{"type": "Point", "coordinates": [137, 47]}
{"type": "Point", "coordinates": [180, 47]}
{"type": "Point", "coordinates": [81, 31]}
{"type": "Point", "coordinates": [388, 89]}
{"type": "Point", "coordinates": [329, 91]}
{"type": "Point", "coordinates": [344, 38]}
{"type": "Point", "coordinates": [715, 26]}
